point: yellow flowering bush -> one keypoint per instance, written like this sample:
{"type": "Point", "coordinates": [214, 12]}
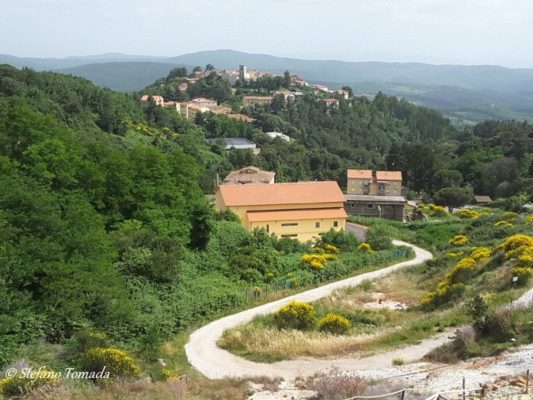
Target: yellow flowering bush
{"type": "Point", "coordinates": [462, 271]}
{"type": "Point", "coordinates": [444, 293]}
{"type": "Point", "coordinates": [168, 374]}
{"type": "Point", "coordinates": [454, 254]}
{"type": "Point", "coordinates": [327, 248]}
{"type": "Point", "coordinates": [438, 211]}
{"type": "Point", "coordinates": [317, 261]}
{"type": "Point", "coordinates": [451, 286]}
{"type": "Point", "coordinates": [526, 258]}
{"type": "Point", "coordinates": [467, 213]}
{"type": "Point", "coordinates": [21, 384]}
{"type": "Point", "coordinates": [117, 362]}
{"type": "Point", "coordinates": [509, 215]}
{"type": "Point", "coordinates": [503, 224]}
{"type": "Point", "coordinates": [459, 240]}
{"type": "Point", "coordinates": [528, 218]}
{"type": "Point", "coordinates": [481, 254]}
{"type": "Point", "coordinates": [365, 247]}
{"type": "Point", "coordinates": [295, 315]}
{"type": "Point", "coordinates": [522, 274]}
{"type": "Point", "coordinates": [516, 245]}
{"type": "Point", "coordinates": [334, 323]}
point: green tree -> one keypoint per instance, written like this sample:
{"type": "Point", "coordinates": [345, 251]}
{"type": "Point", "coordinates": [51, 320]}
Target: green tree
{"type": "Point", "coordinates": [177, 72]}
{"type": "Point", "coordinates": [446, 178]}
{"type": "Point", "coordinates": [287, 79]}
{"type": "Point", "coordinates": [453, 197]}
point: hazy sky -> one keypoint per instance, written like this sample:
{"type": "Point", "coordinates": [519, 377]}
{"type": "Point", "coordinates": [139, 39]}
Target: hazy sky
{"type": "Point", "coordinates": [435, 31]}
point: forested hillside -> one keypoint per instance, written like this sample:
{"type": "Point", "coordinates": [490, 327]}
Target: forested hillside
{"type": "Point", "coordinates": [384, 132]}
{"type": "Point", "coordinates": [105, 229]}
{"type": "Point", "coordinates": [88, 221]}
{"type": "Point", "coordinates": [104, 223]}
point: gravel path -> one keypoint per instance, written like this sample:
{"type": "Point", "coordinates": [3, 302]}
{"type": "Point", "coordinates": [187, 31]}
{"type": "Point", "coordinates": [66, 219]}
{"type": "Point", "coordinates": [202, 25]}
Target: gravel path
{"type": "Point", "coordinates": [525, 301]}
{"type": "Point", "coordinates": [214, 362]}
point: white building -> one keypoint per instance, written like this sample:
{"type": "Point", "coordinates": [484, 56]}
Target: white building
{"type": "Point", "coordinates": [280, 135]}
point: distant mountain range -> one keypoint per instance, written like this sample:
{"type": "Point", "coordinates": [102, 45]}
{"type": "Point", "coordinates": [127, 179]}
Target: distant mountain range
{"type": "Point", "coordinates": [465, 93]}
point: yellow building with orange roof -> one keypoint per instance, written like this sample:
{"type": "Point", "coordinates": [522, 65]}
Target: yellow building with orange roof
{"type": "Point", "coordinates": [300, 210]}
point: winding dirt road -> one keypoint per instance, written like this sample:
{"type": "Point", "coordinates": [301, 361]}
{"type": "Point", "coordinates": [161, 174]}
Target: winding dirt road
{"type": "Point", "coordinates": [215, 363]}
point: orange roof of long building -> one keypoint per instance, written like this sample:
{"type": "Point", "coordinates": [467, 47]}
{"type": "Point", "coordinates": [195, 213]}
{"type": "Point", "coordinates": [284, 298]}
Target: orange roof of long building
{"type": "Point", "coordinates": [282, 193]}
{"type": "Point", "coordinates": [360, 173]}
{"type": "Point", "coordinates": [389, 175]}
{"type": "Point", "coordinates": [296, 215]}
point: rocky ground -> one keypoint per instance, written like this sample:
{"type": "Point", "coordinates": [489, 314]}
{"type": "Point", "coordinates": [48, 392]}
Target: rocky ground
{"type": "Point", "coordinates": [502, 376]}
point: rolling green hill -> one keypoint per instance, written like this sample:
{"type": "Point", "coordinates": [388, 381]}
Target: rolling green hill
{"type": "Point", "coordinates": [466, 94]}
{"type": "Point", "coordinates": [121, 76]}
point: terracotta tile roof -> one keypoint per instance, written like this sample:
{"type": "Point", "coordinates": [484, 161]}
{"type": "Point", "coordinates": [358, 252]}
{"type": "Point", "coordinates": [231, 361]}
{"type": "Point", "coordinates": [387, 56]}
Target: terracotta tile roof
{"type": "Point", "coordinates": [296, 215]}
{"type": "Point", "coordinates": [282, 193]}
{"type": "Point", "coordinates": [359, 174]}
{"type": "Point", "coordinates": [389, 175]}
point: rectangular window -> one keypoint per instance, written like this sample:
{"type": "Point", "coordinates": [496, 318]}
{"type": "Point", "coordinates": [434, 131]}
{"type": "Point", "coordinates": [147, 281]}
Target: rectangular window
{"type": "Point", "coordinates": [268, 228]}
{"type": "Point", "coordinates": [290, 224]}
{"type": "Point", "coordinates": [289, 236]}
{"type": "Point", "coordinates": [370, 206]}
{"type": "Point", "coordinates": [335, 224]}
{"type": "Point", "coordinates": [317, 224]}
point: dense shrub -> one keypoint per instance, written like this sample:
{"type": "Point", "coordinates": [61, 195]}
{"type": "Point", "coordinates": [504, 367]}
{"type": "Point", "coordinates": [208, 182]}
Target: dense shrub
{"type": "Point", "coordinates": [21, 384]}
{"type": "Point", "coordinates": [509, 216]}
{"type": "Point", "coordinates": [341, 239]}
{"type": "Point", "coordinates": [499, 325]}
{"type": "Point", "coordinates": [334, 323]}
{"type": "Point", "coordinates": [295, 315]}
{"type": "Point", "coordinates": [379, 237]}
{"type": "Point", "coordinates": [336, 385]}
{"type": "Point", "coordinates": [85, 340]}
{"type": "Point", "coordinates": [522, 274]}
{"type": "Point", "coordinates": [117, 362]}
{"type": "Point", "coordinates": [456, 350]}
{"type": "Point", "coordinates": [287, 245]}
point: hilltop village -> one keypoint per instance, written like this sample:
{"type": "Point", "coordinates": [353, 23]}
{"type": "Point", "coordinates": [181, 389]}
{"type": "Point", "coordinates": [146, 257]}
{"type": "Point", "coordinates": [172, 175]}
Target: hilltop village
{"type": "Point", "coordinates": [292, 87]}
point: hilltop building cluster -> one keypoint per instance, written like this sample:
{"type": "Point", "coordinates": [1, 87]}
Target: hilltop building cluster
{"type": "Point", "coordinates": [190, 109]}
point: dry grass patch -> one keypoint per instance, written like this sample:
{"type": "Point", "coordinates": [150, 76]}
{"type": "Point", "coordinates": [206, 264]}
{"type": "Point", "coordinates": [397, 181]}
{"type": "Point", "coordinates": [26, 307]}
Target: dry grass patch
{"type": "Point", "coordinates": [399, 287]}
{"type": "Point", "coordinates": [266, 344]}
{"type": "Point", "coordinates": [193, 389]}
{"type": "Point", "coordinates": [261, 341]}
